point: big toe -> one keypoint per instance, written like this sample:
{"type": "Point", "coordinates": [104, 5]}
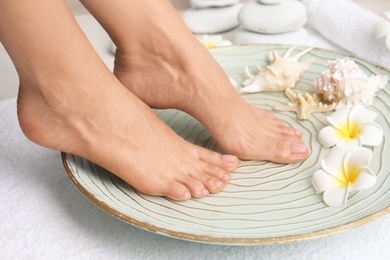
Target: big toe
{"type": "Point", "coordinates": [288, 152]}
{"type": "Point", "coordinates": [226, 161]}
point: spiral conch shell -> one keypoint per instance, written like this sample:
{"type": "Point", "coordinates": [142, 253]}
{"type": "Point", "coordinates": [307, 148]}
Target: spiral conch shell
{"type": "Point", "coordinates": [282, 73]}
{"type": "Point", "coordinates": [347, 85]}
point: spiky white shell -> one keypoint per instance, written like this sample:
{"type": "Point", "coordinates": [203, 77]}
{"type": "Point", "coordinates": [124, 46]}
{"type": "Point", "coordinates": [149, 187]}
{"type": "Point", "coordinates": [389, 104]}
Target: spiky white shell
{"type": "Point", "coordinates": [347, 85]}
{"type": "Point", "coordinates": [282, 73]}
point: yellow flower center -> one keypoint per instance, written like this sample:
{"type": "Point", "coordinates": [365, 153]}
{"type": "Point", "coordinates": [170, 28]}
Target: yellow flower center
{"type": "Point", "coordinates": [352, 174]}
{"type": "Point", "coordinates": [349, 131]}
{"type": "Point", "coordinates": [348, 176]}
{"type": "Point", "coordinates": [210, 45]}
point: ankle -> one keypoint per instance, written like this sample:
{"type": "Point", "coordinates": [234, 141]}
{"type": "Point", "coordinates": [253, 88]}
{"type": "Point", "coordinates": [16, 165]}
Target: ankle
{"type": "Point", "coordinates": [44, 115]}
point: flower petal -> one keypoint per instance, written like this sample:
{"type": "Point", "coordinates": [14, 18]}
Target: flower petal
{"type": "Point", "coordinates": [358, 157]}
{"type": "Point", "coordinates": [323, 181]}
{"type": "Point", "coordinates": [348, 144]}
{"type": "Point", "coordinates": [329, 136]}
{"type": "Point", "coordinates": [337, 197]}
{"type": "Point", "coordinates": [332, 163]}
{"type": "Point", "coordinates": [370, 134]}
{"type": "Point", "coordinates": [212, 38]}
{"type": "Point", "coordinates": [360, 115]}
{"type": "Point", "coordinates": [366, 179]}
{"type": "Point", "coordinates": [339, 117]}
{"type": "Point", "coordinates": [224, 43]}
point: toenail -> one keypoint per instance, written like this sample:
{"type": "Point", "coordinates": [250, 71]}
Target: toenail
{"type": "Point", "coordinates": [298, 133]}
{"type": "Point", "coordinates": [205, 192]}
{"type": "Point", "coordinates": [298, 148]}
{"type": "Point", "coordinates": [226, 177]}
{"type": "Point", "coordinates": [186, 196]}
{"type": "Point", "coordinates": [217, 184]}
{"type": "Point", "coordinates": [229, 158]}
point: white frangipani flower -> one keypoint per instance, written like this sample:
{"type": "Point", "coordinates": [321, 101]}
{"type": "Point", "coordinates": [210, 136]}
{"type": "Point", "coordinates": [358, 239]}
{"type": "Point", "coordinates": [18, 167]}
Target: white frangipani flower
{"type": "Point", "coordinates": [343, 171]}
{"type": "Point", "coordinates": [351, 127]}
{"type": "Point", "coordinates": [212, 41]}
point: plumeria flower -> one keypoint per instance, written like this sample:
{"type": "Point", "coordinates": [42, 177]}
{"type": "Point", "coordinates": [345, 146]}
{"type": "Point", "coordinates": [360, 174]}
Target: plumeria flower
{"type": "Point", "coordinates": [343, 171]}
{"type": "Point", "coordinates": [212, 41]}
{"type": "Point", "coordinates": [351, 127]}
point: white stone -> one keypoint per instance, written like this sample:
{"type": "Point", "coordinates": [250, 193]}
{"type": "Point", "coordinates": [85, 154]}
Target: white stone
{"type": "Point", "coordinates": [212, 3]}
{"type": "Point", "coordinates": [287, 16]}
{"type": "Point", "coordinates": [212, 20]}
{"type": "Point", "coordinates": [297, 37]}
{"type": "Point", "coordinates": [270, 2]}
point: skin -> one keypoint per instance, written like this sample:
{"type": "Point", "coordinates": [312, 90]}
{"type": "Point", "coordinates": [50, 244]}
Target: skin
{"type": "Point", "coordinates": [63, 84]}
{"type": "Point", "coordinates": [169, 68]}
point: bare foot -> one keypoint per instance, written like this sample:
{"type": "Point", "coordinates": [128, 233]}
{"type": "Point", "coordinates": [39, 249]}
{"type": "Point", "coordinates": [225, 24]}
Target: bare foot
{"type": "Point", "coordinates": [69, 101]}
{"type": "Point", "coordinates": [163, 64]}
{"type": "Point", "coordinates": [189, 79]}
{"type": "Point", "coordinates": [117, 131]}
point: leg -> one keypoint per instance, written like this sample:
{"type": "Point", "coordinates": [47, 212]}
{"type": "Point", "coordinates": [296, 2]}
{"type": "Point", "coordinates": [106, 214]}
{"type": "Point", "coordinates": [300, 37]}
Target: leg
{"type": "Point", "coordinates": [162, 63]}
{"type": "Point", "coordinates": [69, 101]}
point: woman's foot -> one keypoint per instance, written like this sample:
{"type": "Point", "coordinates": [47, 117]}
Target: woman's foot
{"type": "Point", "coordinates": [192, 81]}
{"type": "Point", "coordinates": [114, 129]}
{"type": "Point", "coordinates": [69, 101]}
{"type": "Point", "coordinates": [161, 62]}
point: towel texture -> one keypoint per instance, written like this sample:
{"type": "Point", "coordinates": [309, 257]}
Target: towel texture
{"type": "Point", "coordinates": [349, 26]}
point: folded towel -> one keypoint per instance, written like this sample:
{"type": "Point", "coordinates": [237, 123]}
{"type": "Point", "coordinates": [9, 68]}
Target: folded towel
{"type": "Point", "coordinates": [382, 29]}
{"type": "Point", "coordinates": [349, 26]}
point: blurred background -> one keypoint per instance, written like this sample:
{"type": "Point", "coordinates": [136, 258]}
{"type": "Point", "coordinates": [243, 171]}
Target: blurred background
{"type": "Point", "coordinates": [8, 77]}
{"type": "Point", "coordinates": [377, 6]}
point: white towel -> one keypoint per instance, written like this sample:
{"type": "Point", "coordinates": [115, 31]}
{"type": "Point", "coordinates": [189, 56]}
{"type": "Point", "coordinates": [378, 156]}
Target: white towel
{"type": "Point", "coordinates": [349, 26]}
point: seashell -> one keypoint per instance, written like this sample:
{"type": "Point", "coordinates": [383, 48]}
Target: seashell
{"type": "Point", "coordinates": [347, 85]}
{"type": "Point", "coordinates": [234, 83]}
{"type": "Point", "coordinates": [284, 72]}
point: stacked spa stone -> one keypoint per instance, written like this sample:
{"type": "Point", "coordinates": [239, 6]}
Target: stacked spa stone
{"type": "Point", "coordinates": [212, 16]}
{"type": "Point", "coordinates": [271, 21]}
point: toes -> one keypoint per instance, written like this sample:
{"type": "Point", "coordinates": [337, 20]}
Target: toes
{"type": "Point", "coordinates": [179, 193]}
{"type": "Point", "coordinates": [214, 185]}
{"type": "Point", "coordinates": [213, 178]}
{"type": "Point", "coordinates": [289, 136]}
{"type": "Point", "coordinates": [227, 162]}
{"type": "Point", "coordinates": [196, 187]}
{"type": "Point", "coordinates": [289, 130]}
{"type": "Point", "coordinates": [287, 152]}
{"type": "Point", "coordinates": [206, 179]}
{"type": "Point", "coordinates": [277, 125]}
{"type": "Point", "coordinates": [197, 178]}
{"type": "Point", "coordinates": [168, 188]}
{"type": "Point", "coordinates": [199, 182]}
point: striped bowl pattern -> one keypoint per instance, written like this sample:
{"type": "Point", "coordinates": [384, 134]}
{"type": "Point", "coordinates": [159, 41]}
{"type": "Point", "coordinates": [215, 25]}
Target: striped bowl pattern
{"type": "Point", "coordinates": [265, 202]}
